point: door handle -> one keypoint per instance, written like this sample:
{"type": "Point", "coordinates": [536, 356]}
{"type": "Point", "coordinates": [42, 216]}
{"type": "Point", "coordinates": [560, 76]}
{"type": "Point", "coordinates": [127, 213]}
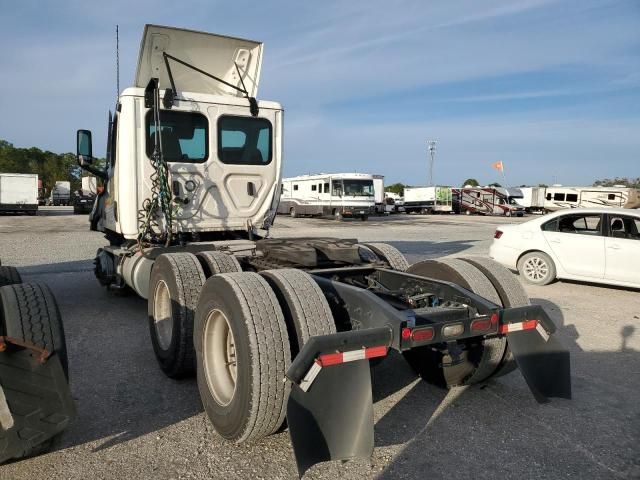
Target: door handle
{"type": "Point", "coordinates": [251, 189]}
{"type": "Point", "coordinates": [614, 247]}
{"type": "Point", "coordinates": [555, 240]}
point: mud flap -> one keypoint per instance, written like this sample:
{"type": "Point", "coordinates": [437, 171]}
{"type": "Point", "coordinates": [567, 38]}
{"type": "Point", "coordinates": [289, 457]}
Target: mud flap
{"type": "Point", "coordinates": [545, 364]}
{"type": "Point", "coordinates": [330, 408]}
{"type": "Point", "coordinates": [35, 401]}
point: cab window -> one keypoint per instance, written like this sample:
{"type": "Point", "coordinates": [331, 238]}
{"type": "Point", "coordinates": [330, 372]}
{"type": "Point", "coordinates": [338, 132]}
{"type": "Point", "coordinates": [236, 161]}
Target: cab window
{"type": "Point", "coordinates": [185, 136]}
{"type": "Point", "coordinates": [244, 140]}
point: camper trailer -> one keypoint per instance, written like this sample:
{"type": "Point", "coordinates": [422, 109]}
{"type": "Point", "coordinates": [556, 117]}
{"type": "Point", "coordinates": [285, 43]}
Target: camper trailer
{"type": "Point", "coordinates": [338, 195]}
{"type": "Point", "coordinates": [488, 201]}
{"type": "Point", "coordinates": [427, 199]}
{"type": "Point", "coordinates": [558, 197]}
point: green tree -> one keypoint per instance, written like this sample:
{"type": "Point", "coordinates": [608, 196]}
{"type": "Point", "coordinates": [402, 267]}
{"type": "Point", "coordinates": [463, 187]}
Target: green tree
{"type": "Point", "coordinates": [610, 182]}
{"type": "Point", "coordinates": [495, 184]}
{"type": "Point", "coordinates": [471, 181]}
{"type": "Point", "coordinates": [396, 188]}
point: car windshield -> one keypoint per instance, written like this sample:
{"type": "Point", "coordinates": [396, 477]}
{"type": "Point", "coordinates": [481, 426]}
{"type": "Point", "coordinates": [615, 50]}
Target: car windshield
{"type": "Point", "coordinates": [353, 188]}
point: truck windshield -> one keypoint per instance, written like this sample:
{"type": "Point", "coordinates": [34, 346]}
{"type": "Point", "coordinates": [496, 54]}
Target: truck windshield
{"type": "Point", "coordinates": [357, 188]}
{"type": "Point", "coordinates": [184, 136]}
{"type": "Point", "coordinates": [514, 200]}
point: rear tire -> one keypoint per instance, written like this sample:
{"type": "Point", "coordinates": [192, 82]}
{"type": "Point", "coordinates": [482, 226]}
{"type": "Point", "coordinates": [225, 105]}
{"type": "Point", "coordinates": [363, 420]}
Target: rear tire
{"type": "Point", "coordinates": [293, 213]}
{"type": "Point", "coordinates": [337, 215]}
{"type": "Point", "coordinates": [305, 308]}
{"type": "Point", "coordinates": [174, 288]}
{"type": "Point", "coordinates": [9, 276]}
{"type": "Point", "coordinates": [213, 263]}
{"type": "Point", "coordinates": [389, 254]}
{"type": "Point", "coordinates": [242, 350]}
{"type": "Point", "coordinates": [480, 360]}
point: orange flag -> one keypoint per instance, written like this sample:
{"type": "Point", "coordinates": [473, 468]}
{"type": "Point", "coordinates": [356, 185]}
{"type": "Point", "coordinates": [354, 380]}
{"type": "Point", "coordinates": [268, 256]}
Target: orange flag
{"type": "Point", "coordinates": [498, 166]}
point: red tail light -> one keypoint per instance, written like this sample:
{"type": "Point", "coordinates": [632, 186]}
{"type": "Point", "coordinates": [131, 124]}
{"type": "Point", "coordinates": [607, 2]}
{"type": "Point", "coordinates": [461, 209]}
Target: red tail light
{"type": "Point", "coordinates": [498, 234]}
{"type": "Point", "coordinates": [421, 335]}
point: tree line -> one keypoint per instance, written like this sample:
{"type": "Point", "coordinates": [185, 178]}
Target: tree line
{"type": "Point", "coordinates": [50, 167]}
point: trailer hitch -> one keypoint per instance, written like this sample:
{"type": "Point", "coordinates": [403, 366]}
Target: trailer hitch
{"type": "Point", "coordinates": [330, 408]}
{"type": "Point", "coordinates": [545, 364]}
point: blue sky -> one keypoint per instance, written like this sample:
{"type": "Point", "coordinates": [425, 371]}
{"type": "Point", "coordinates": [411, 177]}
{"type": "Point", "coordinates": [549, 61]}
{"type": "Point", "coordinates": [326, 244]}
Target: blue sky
{"type": "Point", "coordinates": [551, 88]}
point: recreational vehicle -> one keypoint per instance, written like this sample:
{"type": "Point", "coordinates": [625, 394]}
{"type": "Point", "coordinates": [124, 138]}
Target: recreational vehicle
{"type": "Point", "coordinates": [558, 197]}
{"type": "Point", "coordinates": [427, 199]}
{"type": "Point", "coordinates": [488, 201]}
{"type": "Point", "coordinates": [337, 194]}
{"type": "Point", "coordinates": [532, 199]}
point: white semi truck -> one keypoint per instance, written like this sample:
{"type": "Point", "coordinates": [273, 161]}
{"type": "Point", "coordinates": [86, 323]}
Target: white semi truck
{"type": "Point", "coordinates": [192, 186]}
{"type": "Point", "coordinates": [428, 199]}
{"type": "Point", "coordinates": [60, 193]}
{"type": "Point", "coordinates": [19, 193]}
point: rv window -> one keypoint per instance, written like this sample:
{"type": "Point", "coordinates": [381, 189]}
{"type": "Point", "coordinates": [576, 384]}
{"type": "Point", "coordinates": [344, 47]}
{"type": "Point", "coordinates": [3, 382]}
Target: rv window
{"type": "Point", "coordinates": [185, 136]}
{"type": "Point", "coordinates": [319, 188]}
{"type": "Point", "coordinates": [572, 197]}
{"type": "Point", "coordinates": [295, 187]}
{"type": "Point", "coordinates": [281, 188]}
{"type": "Point", "coordinates": [313, 188]}
{"type": "Point", "coordinates": [337, 188]}
{"type": "Point", "coordinates": [612, 196]}
{"type": "Point", "coordinates": [558, 197]}
{"type": "Point", "coordinates": [244, 140]}
{"type": "Point", "coordinates": [326, 188]}
{"type": "Point", "coordinates": [548, 196]}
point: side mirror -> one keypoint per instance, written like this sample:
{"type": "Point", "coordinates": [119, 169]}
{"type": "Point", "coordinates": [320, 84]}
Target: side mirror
{"type": "Point", "coordinates": [84, 151]}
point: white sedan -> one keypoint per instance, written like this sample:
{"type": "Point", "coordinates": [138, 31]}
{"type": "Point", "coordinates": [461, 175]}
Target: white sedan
{"type": "Point", "coordinates": [600, 245]}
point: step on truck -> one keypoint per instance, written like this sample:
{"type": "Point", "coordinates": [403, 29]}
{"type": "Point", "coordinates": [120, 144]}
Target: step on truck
{"type": "Point", "coordinates": [274, 329]}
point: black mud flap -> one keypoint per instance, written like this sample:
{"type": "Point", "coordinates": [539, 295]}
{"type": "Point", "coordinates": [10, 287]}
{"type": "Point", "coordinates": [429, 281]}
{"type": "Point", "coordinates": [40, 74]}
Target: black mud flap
{"type": "Point", "coordinates": [334, 420]}
{"type": "Point", "coordinates": [544, 362]}
{"type": "Point", "coordinates": [330, 408]}
{"type": "Point", "coordinates": [35, 401]}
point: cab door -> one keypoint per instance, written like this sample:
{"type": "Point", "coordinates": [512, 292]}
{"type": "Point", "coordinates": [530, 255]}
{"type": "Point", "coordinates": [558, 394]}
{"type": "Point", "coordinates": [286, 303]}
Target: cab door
{"type": "Point", "coordinates": [622, 249]}
{"type": "Point", "coordinates": [578, 244]}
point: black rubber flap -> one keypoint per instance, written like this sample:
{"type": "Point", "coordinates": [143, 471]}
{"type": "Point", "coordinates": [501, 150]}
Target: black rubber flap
{"type": "Point", "coordinates": [333, 420]}
{"type": "Point", "coordinates": [545, 364]}
{"type": "Point", "coordinates": [38, 399]}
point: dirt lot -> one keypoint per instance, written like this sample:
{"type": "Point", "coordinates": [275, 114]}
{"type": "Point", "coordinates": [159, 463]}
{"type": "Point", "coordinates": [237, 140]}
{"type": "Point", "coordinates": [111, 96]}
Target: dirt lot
{"type": "Point", "coordinates": [133, 422]}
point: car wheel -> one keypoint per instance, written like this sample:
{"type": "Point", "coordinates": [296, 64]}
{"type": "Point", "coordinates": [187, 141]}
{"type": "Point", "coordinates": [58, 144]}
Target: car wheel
{"type": "Point", "coordinates": [537, 268]}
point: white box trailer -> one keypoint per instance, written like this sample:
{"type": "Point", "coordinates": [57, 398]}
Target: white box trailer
{"type": "Point", "coordinates": [19, 192]}
{"type": "Point", "coordinates": [332, 194]}
{"type": "Point", "coordinates": [532, 199]}
{"type": "Point", "coordinates": [89, 185]}
{"type": "Point", "coordinates": [378, 193]}
{"type": "Point", "coordinates": [428, 199]}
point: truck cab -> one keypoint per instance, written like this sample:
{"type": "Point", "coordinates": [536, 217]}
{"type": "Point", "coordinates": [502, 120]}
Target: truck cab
{"type": "Point", "coordinates": [223, 158]}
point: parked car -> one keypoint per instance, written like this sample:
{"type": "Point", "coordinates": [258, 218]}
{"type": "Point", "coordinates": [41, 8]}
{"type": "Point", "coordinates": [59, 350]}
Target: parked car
{"type": "Point", "coordinates": [600, 245]}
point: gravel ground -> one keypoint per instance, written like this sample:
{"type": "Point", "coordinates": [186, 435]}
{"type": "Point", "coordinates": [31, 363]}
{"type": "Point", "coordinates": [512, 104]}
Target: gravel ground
{"type": "Point", "coordinates": [135, 423]}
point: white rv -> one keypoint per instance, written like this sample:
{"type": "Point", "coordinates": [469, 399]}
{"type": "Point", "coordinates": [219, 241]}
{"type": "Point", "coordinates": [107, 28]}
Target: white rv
{"type": "Point", "coordinates": [558, 197]}
{"type": "Point", "coordinates": [336, 194]}
{"type": "Point", "coordinates": [427, 199]}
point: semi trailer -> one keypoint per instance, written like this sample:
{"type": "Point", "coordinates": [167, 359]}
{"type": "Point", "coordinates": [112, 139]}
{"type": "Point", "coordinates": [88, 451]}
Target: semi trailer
{"type": "Point", "coordinates": [60, 193]}
{"type": "Point", "coordinates": [19, 193]}
{"type": "Point", "coordinates": [84, 197]}
{"type": "Point", "coordinates": [280, 332]}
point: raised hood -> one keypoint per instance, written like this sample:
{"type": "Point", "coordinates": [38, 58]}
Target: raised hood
{"type": "Point", "coordinates": [215, 54]}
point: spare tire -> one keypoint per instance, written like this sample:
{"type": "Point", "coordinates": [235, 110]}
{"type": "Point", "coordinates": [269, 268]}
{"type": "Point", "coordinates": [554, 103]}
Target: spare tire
{"type": "Point", "coordinates": [9, 276]}
{"type": "Point", "coordinates": [29, 312]}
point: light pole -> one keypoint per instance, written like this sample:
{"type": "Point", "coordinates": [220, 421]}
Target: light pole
{"type": "Point", "coordinates": [432, 153]}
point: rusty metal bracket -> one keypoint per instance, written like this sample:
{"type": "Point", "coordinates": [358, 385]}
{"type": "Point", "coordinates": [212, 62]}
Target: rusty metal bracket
{"type": "Point", "coordinates": [43, 354]}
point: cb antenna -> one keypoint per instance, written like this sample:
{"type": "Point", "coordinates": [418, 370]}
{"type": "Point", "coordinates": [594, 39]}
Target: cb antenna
{"type": "Point", "coordinates": [117, 64]}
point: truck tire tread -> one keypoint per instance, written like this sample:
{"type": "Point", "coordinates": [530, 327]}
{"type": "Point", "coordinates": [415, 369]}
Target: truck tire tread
{"type": "Point", "coordinates": [390, 254]}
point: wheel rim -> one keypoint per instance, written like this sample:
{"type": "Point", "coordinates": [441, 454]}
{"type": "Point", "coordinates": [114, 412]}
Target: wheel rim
{"type": "Point", "coordinates": [220, 362]}
{"type": "Point", "coordinates": [162, 315]}
{"type": "Point", "coordinates": [536, 269]}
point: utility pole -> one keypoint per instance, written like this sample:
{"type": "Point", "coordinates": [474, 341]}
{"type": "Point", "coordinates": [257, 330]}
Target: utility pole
{"type": "Point", "coordinates": [432, 152]}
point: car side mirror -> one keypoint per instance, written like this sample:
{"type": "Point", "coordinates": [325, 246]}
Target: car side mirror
{"type": "Point", "coordinates": [84, 152]}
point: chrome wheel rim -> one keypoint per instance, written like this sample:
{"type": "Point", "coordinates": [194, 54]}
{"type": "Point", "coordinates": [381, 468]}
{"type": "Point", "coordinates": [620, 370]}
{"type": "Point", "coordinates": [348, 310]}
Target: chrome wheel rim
{"type": "Point", "coordinates": [219, 354]}
{"type": "Point", "coordinates": [162, 315]}
{"type": "Point", "coordinates": [536, 269]}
